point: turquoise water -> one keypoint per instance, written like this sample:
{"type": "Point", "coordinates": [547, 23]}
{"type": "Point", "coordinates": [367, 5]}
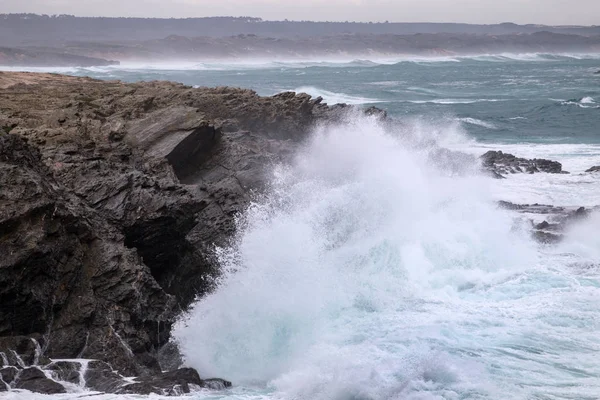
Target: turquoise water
{"type": "Point", "coordinates": [367, 272]}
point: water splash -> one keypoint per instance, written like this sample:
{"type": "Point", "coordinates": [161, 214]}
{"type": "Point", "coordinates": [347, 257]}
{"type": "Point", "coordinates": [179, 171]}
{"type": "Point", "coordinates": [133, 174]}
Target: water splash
{"type": "Point", "coordinates": [365, 273]}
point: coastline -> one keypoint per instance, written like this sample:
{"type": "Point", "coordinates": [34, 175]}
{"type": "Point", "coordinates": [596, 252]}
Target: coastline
{"type": "Point", "coordinates": [118, 192]}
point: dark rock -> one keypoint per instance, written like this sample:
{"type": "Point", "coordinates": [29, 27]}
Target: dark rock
{"type": "Point", "coordinates": [543, 225]}
{"type": "Point", "coordinates": [169, 357]}
{"type": "Point", "coordinates": [546, 237]}
{"type": "Point", "coordinates": [66, 371]}
{"type": "Point", "coordinates": [82, 257]}
{"type": "Point", "coordinates": [169, 383]}
{"type": "Point", "coordinates": [35, 380]}
{"type": "Point", "coordinates": [8, 374]}
{"type": "Point", "coordinates": [216, 384]}
{"type": "Point", "coordinates": [499, 163]}
{"type": "Point", "coordinates": [22, 351]}
{"type": "Point", "coordinates": [100, 377]}
{"type": "Point", "coordinates": [112, 199]}
{"type": "Point", "coordinates": [594, 169]}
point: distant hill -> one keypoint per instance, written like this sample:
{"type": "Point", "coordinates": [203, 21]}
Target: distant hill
{"type": "Point", "coordinates": [34, 40]}
{"type": "Point", "coordinates": [44, 30]}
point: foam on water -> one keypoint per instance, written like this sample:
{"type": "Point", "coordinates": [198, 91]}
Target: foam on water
{"type": "Point", "coordinates": [575, 189]}
{"type": "Point", "coordinates": [367, 273]}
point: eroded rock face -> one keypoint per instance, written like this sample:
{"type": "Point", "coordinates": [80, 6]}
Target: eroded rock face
{"type": "Point", "coordinates": [58, 249]}
{"type": "Point", "coordinates": [499, 164]}
{"type": "Point", "coordinates": [112, 199]}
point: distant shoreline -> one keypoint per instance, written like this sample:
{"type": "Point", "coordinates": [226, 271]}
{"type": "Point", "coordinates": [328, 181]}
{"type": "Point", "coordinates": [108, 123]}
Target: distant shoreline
{"type": "Point", "coordinates": [29, 40]}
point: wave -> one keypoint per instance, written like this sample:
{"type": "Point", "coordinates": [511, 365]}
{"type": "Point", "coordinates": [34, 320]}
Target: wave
{"type": "Point", "coordinates": [453, 101]}
{"type": "Point", "coordinates": [366, 273]}
{"type": "Point", "coordinates": [585, 102]}
{"type": "Point", "coordinates": [335, 98]}
{"type": "Point", "coordinates": [478, 122]}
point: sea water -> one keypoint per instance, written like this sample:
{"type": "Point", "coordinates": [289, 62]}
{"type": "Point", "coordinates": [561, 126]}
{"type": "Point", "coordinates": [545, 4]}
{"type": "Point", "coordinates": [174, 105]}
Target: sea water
{"type": "Point", "coordinates": [369, 271]}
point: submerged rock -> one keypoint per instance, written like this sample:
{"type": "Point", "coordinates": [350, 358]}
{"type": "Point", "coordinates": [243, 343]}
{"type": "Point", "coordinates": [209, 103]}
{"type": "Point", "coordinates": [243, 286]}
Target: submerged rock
{"type": "Point", "coordinates": [557, 219]}
{"type": "Point", "coordinates": [499, 163]}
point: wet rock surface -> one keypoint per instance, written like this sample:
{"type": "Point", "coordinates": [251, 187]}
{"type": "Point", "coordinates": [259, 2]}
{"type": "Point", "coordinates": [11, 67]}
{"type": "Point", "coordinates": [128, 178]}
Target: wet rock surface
{"type": "Point", "coordinates": [112, 199]}
{"type": "Point", "coordinates": [34, 380]}
{"type": "Point", "coordinates": [173, 383]}
{"type": "Point", "coordinates": [499, 164]}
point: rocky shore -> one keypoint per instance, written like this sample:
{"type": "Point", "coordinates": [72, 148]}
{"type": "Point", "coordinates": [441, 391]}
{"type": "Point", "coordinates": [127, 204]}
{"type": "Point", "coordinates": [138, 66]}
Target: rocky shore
{"type": "Point", "coordinates": [112, 198]}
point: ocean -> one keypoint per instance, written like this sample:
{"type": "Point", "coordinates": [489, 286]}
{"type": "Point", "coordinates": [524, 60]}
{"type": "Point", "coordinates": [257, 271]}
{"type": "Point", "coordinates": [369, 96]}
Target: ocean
{"type": "Point", "coordinates": [368, 272]}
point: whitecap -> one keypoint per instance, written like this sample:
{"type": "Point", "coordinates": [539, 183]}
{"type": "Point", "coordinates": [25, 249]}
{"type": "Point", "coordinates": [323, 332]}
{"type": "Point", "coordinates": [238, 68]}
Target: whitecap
{"type": "Point", "coordinates": [478, 122]}
{"type": "Point", "coordinates": [335, 98]}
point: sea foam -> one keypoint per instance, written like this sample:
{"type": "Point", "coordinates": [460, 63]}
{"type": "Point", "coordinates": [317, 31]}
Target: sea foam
{"type": "Point", "coordinates": [368, 273]}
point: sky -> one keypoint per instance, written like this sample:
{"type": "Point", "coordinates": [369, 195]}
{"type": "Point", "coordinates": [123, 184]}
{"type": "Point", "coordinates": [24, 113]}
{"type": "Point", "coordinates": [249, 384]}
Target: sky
{"type": "Point", "coordinates": [549, 12]}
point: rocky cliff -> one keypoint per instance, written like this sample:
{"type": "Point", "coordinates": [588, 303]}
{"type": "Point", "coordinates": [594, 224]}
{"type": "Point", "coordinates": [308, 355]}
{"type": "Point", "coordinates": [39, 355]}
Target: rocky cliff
{"type": "Point", "coordinates": [112, 198]}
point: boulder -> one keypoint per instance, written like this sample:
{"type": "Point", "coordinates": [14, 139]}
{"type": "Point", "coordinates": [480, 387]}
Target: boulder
{"type": "Point", "coordinates": [8, 374]}
{"type": "Point", "coordinates": [34, 380]}
{"type": "Point", "coordinates": [594, 169]}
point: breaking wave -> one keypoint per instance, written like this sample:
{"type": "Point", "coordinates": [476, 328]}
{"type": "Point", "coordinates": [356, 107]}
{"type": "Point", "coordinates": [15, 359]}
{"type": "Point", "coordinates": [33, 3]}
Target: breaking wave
{"type": "Point", "coordinates": [335, 98]}
{"type": "Point", "coordinates": [369, 272]}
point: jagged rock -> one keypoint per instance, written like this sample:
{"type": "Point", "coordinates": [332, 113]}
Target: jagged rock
{"type": "Point", "coordinates": [499, 163]}
{"type": "Point", "coordinates": [112, 198]}
{"type": "Point", "coordinates": [33, 379]}
{"type": "Point", "coordinates": [173, 383]}
{"type": "Point", "coordinates": [22, 351]}
{"type": "Point", "coordinates": [83, 258]}
{"type": "Point", "coordinates": [100, 377]}
{"type": "Point", "coordinates": [594, 169]}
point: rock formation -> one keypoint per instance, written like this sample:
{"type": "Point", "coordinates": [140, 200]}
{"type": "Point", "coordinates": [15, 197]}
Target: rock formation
{"type": "Point", "coordinates": [112, 198]}
{"type": "Point", "coordinates": [594, 169]}
{"type": "Point", "coordinates": [499, 164]}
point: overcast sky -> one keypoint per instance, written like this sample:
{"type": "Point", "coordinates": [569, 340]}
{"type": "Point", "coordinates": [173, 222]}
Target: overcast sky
{"type": "Point", "coordinates": [552, 12]}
